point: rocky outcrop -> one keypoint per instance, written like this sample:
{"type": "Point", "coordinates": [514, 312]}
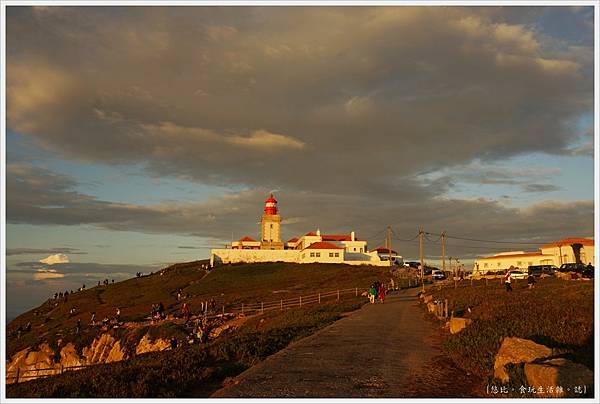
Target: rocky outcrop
{"type": "Point", "coordinates": [517, 350]}
{"type": "Point", "coordinates": [33, 363]}
{"type": "Point", "coordinates": [104, 349]}
{"type": "Point", "coordinates": [558, 372]}
{"type": "Point", "coordinates": [457, 324]}
{"type": "Point", "coordinates": [145, 345]}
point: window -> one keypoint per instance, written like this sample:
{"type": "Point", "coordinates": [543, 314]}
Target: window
{"type": "Point", "coordinates": [337, 254]}
{"type": "Point", "coordinates": [530, 263]}
{"type": "Point", "coordinates": [499, 264]}
{"type": "Point", "coordinates": [518, 263]}
{"type": "Point", "coordinates": [312, 254]}
{"type": "Point", "coordinates": [485, 265]}
{"type": "Point", "coordinates": [318, 254]}
{"type": "Point", "coordinates": [331, 254]}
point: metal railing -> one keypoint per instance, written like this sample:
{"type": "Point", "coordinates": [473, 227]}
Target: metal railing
{"type": "Point", "coordinates": [22, 375]}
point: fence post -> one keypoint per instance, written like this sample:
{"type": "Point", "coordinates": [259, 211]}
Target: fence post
{"type": "Point", "coordinates": [446, 308]}
{"type": "Point", "coordinates": [355, 291]}
{"type": "Point", "coordinates": [262, 307]}
{"type": "Point", "coordinates": [471, 280]}
{"type": "Point", "coordinates": [319, 298]}
{"type": "Point", "coordinates": [486, 282]}
{"type": "Point", "coordinates": [223, 311]}
{"type": "Point", "coordinates": [242, 308]}
{"type": "Point", "coordinates": [61, 369]}
{"type": "Point", "coordinates": [300, 301]}
{"type": "Point", "coordinates": [281, 304]}
{"type": "Point", "coordinates": [338, 295]}
{"type": "Point", "coordinates": [17, 377]}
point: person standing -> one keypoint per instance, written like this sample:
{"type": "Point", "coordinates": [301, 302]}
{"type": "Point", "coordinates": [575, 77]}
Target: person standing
{"type": "Point", "coordinates": [507, 281]}
{"type": "Point", "coordinates": [530, 281]}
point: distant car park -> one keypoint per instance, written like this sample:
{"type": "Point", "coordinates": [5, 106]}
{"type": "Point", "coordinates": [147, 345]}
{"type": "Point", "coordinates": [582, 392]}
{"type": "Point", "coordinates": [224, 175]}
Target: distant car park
{"type": "Point", "coordinates": [539, 270]}
{"type": "Point", "coordinates": [572, 267]}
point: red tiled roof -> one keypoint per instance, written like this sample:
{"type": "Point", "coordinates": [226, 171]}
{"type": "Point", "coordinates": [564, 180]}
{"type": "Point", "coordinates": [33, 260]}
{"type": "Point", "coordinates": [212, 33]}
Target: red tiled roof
{"type": "Point", "coordinates": [337, 237]}
{"type": "Point", "coordinates": [569, 241]}
{"type": "Point", "coordinates": [323, 245]}
{"type": "Point", "coordinates": [247, 238]}
{"type": "Point", "coordinates": [382, 249]}
{"type": "Point", "coordinates": [293, 240]}
{"type": "Point", "coordinates": [312, 233]}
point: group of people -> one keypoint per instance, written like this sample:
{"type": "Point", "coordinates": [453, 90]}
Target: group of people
{"type": "Point", "coordinates": [158, 312]}
{"type": "Point", "coordinates": [105, 282]}
{"type": "Point", "coordinates": [508, 281]}
{"type": "Point", "coordinates": [377, 291]}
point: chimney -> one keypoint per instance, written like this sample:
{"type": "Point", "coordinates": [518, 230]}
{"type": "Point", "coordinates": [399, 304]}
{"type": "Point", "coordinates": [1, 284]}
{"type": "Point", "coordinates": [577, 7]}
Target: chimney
{"type": "Point", "coordinates": [352, 236]}
{"type": "Point", "coordinates": [318, 232]}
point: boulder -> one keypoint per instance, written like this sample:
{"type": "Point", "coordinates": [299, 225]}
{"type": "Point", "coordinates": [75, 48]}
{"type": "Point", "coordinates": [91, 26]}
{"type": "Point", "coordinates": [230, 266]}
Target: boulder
{"type": "Point", "coordinates": [558, 372]}
{"type": "Point", "coordinates": [517, 350]}
{"type": "Point", "coordinates": [457, 324]}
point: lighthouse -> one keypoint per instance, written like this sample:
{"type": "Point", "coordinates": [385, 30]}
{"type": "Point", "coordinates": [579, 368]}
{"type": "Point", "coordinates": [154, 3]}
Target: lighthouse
{"type": "Point", "coordinates": [270, 226]}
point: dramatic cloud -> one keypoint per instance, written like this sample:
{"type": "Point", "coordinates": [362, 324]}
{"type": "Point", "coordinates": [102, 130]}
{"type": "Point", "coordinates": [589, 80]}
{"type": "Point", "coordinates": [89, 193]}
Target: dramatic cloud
{"type": "Point", "coordinates": [302, 212]}
{"type": "Point", "coordinates": [56, 259]}
{"type": "Point", "coordinates": [310, 98]}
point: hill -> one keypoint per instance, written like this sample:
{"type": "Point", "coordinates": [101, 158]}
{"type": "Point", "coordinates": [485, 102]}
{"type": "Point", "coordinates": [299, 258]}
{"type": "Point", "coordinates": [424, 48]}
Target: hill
{"type": "Point", "coordinates": [53, 326]}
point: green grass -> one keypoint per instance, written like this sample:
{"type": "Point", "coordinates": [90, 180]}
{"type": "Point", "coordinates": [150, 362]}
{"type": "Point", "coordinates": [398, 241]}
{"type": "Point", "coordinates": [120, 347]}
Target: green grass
{"type": "Point", "coordinates": [229, 285]}
{"type": "Point", "coordinates": [189, 370]}
{"type": "Point", "coordinates": [558, 314]}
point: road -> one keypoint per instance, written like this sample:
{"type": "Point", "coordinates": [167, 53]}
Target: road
{"type": "Point", "coordinates": [382, 350]}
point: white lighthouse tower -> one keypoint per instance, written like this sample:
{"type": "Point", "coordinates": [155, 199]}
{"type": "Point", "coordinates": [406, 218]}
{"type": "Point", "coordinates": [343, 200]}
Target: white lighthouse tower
{"type": "Point", "coordinates": [270, 228]}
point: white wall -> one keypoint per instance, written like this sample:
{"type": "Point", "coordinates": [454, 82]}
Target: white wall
{"type": "Point", "coordinates": [565, 255]}
{"type": "Point", "coordinates": [229, 256]}
{"type": "Point", "coordinates": [326, 256]}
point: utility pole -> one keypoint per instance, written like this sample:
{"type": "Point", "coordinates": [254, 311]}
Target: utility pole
{"type": "Point", "coordinates": [444, 251]}
{"type": "Point", "coordinates": [421, 234]}
{"type": "Point", "coordinates": [389, 243]}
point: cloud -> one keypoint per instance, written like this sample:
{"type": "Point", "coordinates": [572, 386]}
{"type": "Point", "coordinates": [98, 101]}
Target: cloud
{"type": "Point", "coordinates": [303, 211]}
{"type": "Point", "coordinates": [55, 259]}
{"type": "Point", "coordinates": [27, 251]}
{"type": "Point", "coordinates": [45, 274]}
{"type": "Point", "coordinates": [268, 96]}
{"type": "Point", "coordinates": [539, 187]}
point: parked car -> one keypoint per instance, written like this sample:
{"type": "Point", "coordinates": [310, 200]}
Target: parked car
{"type": "Point", "coordinates": [572, 267]}
{"type": "Point", "coordinates": [518, 275]}
{"type": "Point", "coordinates": [438, 275]}
{"type": "Point", "coordinates": [538, 270]}
{"type": "Point", "coordinates": [588, 272]}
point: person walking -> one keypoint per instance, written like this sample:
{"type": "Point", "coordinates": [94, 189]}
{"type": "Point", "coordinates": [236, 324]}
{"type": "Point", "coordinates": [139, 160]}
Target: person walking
{"type": "Point", "coordinates": [93, 319]}
{"type": "Point", "coordinates": [530, 281]}
{"type": "Point", "coordinates": [372, 293]}
{"type": "Point", "coordinates": [381, 293]}
{"type": "Point", "coordinates": [186, 312]}
{"type": "Point", "coordinates": [507, 281]}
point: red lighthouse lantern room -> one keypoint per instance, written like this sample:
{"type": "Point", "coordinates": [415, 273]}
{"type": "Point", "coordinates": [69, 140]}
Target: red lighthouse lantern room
{"type": "Point", "coordinates": [271, 205]}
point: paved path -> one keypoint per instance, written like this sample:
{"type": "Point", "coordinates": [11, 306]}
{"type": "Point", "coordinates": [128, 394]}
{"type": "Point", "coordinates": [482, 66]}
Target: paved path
{"type": "Point", "coordinates": [380, 350]}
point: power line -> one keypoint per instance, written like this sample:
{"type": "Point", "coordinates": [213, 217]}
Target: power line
{"type": "Point", "coordinates": [492, 241]}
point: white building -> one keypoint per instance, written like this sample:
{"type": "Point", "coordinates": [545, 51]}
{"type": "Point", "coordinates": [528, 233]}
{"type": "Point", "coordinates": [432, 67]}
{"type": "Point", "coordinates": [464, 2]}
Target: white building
{"type": "Point", "coordinates": [311, 247]}
{"type": "Point", "coordinates": [557, 253]}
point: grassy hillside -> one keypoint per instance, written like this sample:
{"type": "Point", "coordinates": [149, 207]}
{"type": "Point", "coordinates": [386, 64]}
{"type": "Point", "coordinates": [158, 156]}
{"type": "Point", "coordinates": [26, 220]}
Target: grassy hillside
{"type": "Point", "coordinates": [556, 313]}
{"type": "Point", "coordinates": [229, 285]}
{"type": "Point", "coordinates": [189, 370]}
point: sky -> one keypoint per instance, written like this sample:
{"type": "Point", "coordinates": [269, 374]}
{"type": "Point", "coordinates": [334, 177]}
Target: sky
{"type": "Point", "coordinates": [137, 137]}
